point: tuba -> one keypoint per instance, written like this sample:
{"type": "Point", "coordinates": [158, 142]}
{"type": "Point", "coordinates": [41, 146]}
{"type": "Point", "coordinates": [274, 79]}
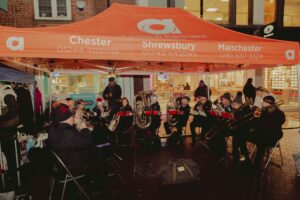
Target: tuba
{"type": "Point", "coordinates": [141, 106]}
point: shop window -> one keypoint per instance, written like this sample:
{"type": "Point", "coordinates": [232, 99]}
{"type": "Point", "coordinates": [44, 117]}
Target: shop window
{"type": "Point", "coordinates": [269, 11]}
{"type": "Point", "coordinates": [291, 13]}
{"type": "Point", "coordinates": [190, 6]}
{"type": "Point", "coordinates": [242, 12]}
{"type": "Point", "coordinates": [282, 82]}
{"type": "Point", "coordinates": [158, 3]}
{"type": "Point", "coordinates": [216, 11]}
{"type": "Point", "coordinates": [52, 9]}
{"type": "Point", "coordinates": [153, 3]}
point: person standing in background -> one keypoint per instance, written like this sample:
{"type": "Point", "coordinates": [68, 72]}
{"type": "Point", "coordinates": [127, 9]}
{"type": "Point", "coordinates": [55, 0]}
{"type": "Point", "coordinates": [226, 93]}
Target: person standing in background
{"type": "Point", "coordinates": [249, 92]}
{"type": "Point", "coordinates": [187, 86]}
{"type": "Point", "coordinates": [202, 90]}
{"type": "Point", "coordinates": [112, 92]}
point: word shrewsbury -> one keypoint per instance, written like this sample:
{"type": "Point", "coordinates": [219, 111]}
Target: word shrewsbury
{"type": "Point", "coordinates": [169, 45]}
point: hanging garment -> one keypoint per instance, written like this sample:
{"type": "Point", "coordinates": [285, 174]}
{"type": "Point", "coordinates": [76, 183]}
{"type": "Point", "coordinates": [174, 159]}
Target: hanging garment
{"type": "Point", "coordinates": [25, 108]}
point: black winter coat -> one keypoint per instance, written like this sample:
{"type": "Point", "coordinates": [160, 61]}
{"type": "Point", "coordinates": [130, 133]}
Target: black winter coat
{"type": "Point", "coordinates": [125, 122]}
{"type": "Point", "coordinates": [71, 145]}
{"type": "Point", "coordinates": [269, 127]}
{"type": "Point", "coordinates": [202, 91]}
{"type": "Point", "coordinates": [202, 120]}
{"type": "Point", "coordinates": [25, 108]}
{"type": "Point", "coordinates": [183, 119]}
{"type": "Point", "coordinates": [155, 119]}
{"type": "Point", "coordinates": [116, 92]}
{"type": "Point", "coordinates": [249, 91]}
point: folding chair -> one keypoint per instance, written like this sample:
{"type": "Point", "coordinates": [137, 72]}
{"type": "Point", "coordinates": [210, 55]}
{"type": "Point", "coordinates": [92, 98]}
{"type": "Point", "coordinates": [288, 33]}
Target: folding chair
{"type": "Point", "coordinates": [67, 178]}
{"type": "Point", "coordinates": [271, 150]}
{"type": "Point", "coordinates": [277, 145]}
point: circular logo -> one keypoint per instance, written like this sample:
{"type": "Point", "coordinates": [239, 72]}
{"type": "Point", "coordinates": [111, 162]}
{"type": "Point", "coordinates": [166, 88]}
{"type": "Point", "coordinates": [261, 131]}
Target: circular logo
{"type": "Point", "coordinates": [268, 29]}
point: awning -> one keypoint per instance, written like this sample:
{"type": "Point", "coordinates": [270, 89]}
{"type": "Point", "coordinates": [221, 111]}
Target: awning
{"type": "Point", "coordinates": [12, 75]}
{"type": "Point", "coordinates": [126, 37]}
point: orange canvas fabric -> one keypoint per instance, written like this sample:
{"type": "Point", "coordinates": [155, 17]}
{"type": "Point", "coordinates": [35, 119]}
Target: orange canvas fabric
{"type": "Point", "coordinates": [146, 34]}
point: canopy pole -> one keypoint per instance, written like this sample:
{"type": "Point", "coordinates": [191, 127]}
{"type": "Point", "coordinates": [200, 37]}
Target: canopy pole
{"type": "Point", "coordinates": [298, 80]}
{"type": "Point", "coordinates": [50, 92]}
{"type": "Point", "coordinates": [207, 84]}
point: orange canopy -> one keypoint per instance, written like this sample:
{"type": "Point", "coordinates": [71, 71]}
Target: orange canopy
{"type": "Point", "coordinates": [146, 38]}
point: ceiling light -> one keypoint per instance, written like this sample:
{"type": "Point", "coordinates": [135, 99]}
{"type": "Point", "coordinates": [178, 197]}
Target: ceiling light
{"type": "Point", "coordinates": [211, 9]}
{"type": "Point", "coordinates": [218, 18]}
{"type": "Point", "coordinates": [225, 0]}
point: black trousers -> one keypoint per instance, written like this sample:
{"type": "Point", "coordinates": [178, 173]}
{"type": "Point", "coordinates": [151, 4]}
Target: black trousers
{"type": "Point", "coordinates": [239, 145]}
{"type": "Point", "coordinates": [262, 142]}
{"type": "Point", "coordinates": [168, 128]}
{"type": "Point", "coordinates": [193, 126]}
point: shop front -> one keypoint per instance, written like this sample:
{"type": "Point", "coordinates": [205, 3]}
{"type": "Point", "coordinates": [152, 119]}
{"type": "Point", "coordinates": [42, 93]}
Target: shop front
{"type": "Point", "coordinates": [281, 81]}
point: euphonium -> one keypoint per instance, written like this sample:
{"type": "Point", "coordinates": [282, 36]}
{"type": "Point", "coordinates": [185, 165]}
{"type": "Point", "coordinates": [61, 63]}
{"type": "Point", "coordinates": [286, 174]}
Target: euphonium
{"type": "Point", "coordinates": [173, 108]}
{"type": "Point", "coordinates": [105, 112]}
{"type": "Point", "coordinates": [114, 123]}
{"type": "Point", "coordinates": [141, 105]}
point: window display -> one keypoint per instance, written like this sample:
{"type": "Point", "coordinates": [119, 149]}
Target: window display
{"type": "Point", "coordinates": [282, 81]}
{"type": "Point", "coordinates": [66, 84]}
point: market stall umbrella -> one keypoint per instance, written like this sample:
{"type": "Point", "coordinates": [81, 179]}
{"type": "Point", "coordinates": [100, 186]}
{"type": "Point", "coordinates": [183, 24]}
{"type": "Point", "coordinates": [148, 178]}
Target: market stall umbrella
{"type": "Point", "coordinates": [149, 39]}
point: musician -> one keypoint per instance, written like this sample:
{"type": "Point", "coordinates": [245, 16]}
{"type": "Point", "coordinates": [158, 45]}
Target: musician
{"type": "Point", "coordinates": [75, 147]}
{"type": "Point", "coordinates": [125, 121]}
{"type": "Point", "coordinates": [261, 92]}
{"type": "Point", "coordinates": [112, 92]}
{"type": "Point", "coordinates": [181, 119]}
{"type": "Point", "coordinates": [155, 117]}
{"type": "Point", "coordinates": [268, 128]}
{"type": "Point", "coordinates": [71, 103]}
{"type": "Point", "coordinates": [218, 143]}
{"type": "Point", "coordinates": [226, 102]}
{"type": "Point", "coordinates": [240, 129]}
{"type": "Point", "coordinates": [201, 117]}
{"type": "Point", "coordinates": [100, 121]}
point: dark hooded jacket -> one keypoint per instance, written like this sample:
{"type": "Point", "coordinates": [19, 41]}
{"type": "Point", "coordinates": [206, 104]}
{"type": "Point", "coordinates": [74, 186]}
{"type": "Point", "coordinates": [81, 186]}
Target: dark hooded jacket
{"type": "Point", "coordinates": [71, 145]}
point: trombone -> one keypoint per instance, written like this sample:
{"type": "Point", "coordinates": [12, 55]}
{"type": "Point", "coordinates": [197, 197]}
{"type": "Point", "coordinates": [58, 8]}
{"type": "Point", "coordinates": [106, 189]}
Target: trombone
{"type": "Point", "coordinates": [255, 114]}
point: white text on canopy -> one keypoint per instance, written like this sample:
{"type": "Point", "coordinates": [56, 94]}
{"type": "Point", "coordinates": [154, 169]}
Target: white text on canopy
{"type": "Point", "coordinates": [89, 41]}
{"type": "Point", "coordinates": [169, 45]}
